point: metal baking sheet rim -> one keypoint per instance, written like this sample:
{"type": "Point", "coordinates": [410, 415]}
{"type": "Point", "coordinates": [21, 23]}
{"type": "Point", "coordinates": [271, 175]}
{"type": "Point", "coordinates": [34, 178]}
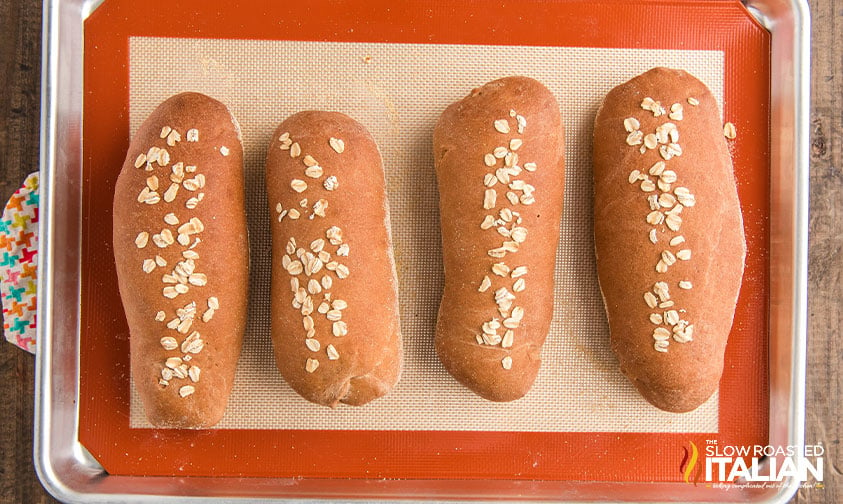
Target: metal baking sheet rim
{"type": "Point", "coordinates": [70, 474]}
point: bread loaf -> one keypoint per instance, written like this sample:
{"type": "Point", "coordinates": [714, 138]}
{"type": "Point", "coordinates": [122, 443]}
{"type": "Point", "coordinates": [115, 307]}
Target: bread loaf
{"type": "Point", "coordinates": [669, 235]}
{"type": "Point", "coordinates": [181, 251]}
{"type": "Point", "coordinates": [335, 325]}
{"type": "Point", "coordinates": [499, 157]}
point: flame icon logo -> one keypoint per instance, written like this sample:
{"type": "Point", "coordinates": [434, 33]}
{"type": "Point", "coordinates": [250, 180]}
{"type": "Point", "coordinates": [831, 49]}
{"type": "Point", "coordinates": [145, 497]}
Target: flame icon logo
{"type": "Point", "coordinates": [689, 462]}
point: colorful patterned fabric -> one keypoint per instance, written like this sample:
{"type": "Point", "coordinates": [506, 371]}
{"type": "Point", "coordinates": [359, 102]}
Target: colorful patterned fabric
{"type": "Point", "coordinates": [19, 263]}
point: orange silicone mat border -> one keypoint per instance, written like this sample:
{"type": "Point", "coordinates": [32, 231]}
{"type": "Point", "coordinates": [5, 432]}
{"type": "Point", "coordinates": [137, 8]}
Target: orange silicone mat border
{"type": "Point", "coordinates": [722, 25]}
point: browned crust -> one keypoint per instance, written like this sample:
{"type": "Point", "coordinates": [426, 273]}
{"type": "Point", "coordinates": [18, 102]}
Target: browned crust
{"type": "Point", "coordinates": [687, 374]}
{"type": "Point", "coordinates": [464, 134]}
{"type": "Point", "coordinates": [223, 258]}
{"type": "Point", "coordinates": [370, 355]}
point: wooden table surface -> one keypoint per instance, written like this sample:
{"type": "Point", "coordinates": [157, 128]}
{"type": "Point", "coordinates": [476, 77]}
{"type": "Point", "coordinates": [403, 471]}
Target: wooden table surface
{"type": "Point", "coordinates": [20, 74]}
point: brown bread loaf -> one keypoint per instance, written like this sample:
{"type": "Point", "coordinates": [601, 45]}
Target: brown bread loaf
{"type": "Point", "coordinates": [182, 252]}
{"type": "Point", "coordinates": [499, 157]}
{"type": "Point", "coordinates": [335, 326]}
{"type": "Point", "coordinates": [669, 235]}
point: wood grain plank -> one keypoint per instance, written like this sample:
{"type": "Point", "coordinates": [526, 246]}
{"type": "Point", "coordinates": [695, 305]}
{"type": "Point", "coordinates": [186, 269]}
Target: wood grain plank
{"type": "Point", "coordinates": [825, 291]}
{"type": "Point", "coordinates": [20, 75]}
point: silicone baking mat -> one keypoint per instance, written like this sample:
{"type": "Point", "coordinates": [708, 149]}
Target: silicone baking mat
{"type": "Point", "coordinates": [396, 84]}
{"type": "Point", "coordinates": [398, 92]}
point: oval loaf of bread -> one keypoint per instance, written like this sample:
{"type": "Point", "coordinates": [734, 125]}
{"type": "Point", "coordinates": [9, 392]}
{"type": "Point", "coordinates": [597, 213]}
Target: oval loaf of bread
{"type": "Point", "coordinates": [669, 235]}
{"type": "Point", "coordinates": [335, 325]}
{"type": "Point", "coordinates": [182, 256]}
{"type": "Point", "coordinates": [499, 155]}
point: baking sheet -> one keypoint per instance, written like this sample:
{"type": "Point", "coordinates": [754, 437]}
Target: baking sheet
{"type": "Point", "coordinates": [397, 91]}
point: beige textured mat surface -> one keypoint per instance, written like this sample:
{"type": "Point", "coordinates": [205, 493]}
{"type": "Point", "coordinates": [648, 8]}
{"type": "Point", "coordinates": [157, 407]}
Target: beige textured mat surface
{"type": "Point", "coordinates": [397, 91]}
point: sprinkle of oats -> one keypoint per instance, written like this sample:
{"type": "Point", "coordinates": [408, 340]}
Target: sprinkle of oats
{"type": "Point", "coordinates": [684, 254]}
{"type": "Point", "coordinates": [313, 171]}
{"type": "Point", "coordinates": [657, 169]}
{"type": "Point", "coordinates": [298, 185]}
{"type": "Point", "coordinates": [530, 167]}
{"type": "Point", "coordinates": [173, 362]}
{"type": "Point", "coordinates": [489, 199]}
{"type": "Point", "coordinates": [319, 207]}
{"type": "Point", "coordinates": [489, 160]}
{"type": "Point", "coordinates": [651, 300]}
{"type": "Point", "coordinates": [685, 284]}
{"type": "Point", "coordinates": [506, 362]}
{"type": "Point", "coordinates": [342, 271]}
{"type": "Point", "coordinates": [635, 138]}
{"type": "Point", "coordinates": [515, 144]}
{"type": "Point", "coordinates": [337, 144]}
{"type": "Point", "coordinates": [729, 131]}
{"type": "Point", "coordinates": [647, 185]}
{"type": "Point", "coordinates": [653, 201]}
{"type": "Point", "coordinates": [343, 250]}
{"type": "Point", "coordinates": [656, 318]}
{"type": "Point", "coordinates": [661, 334]}
{"type": "Point", "coordinates": [685, 197]}
{"type": "Point", "coordinates": [485, 284]}
{"type": "Point", "coordinates": [194, 373]}
{"type": "Point", "coordinates": [502, 126]}
{"type": "Point", "coordinates": [500, 269]}
{"type": "Point", "coordinates": [519, 234]}
{"type": "Point", "coordinates": [673, 222]}
{"type": "Point", "coordinates": [634, 176]}
{"type": "Point", "coordinates": [670, 150]}
{"type": "Point", "coordinates": [173, 137]}
{"type": "Point", "coordinates": [309, 161]}
{"type": "Point", "coordinates": [193, 135]}
{"type": "Point", "coordinates": [655, 218]}
{"type": "Point", "coordinates": [339, 328]}
{"type": "Point", "coordinates": [171, 192]}
{"type": "Point", "coordinates": [331, 183]}
{"type": "Point", "coordinates": [519, 285]}
{"type": "Point", "coordinates": [676, 112]}
{"type": "Point", "coordinates": [650, 141]}
{"type": "Point", "coordinates": [148, 265]}
{"type": "Point", "coordinates": [332, 352]}
{"type": "Point", "coordinates": [142, 239]}
{"type": "Point", "coordinates": [654, 236]}
{"type": "Point", "coordinates": [186, 390]}
{"type": "Point", "coordinates": [519, 271]}
{"type": "Point", "coordinates": [661, 289]}
{"type": "Point", "coordinates": [295, 150]}
{"type": "Point", "coordinates": [312, 344]}
{"type": "Point", "coordinates": [631, 124]}
{"type": "Point", "coordinates": [508, 338]}
{"type": "Point", "coordinates": [693, 101]}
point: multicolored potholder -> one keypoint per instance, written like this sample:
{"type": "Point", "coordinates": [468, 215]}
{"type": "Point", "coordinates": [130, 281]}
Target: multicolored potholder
{"type": "Point", "coordinates": [19, 264]}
